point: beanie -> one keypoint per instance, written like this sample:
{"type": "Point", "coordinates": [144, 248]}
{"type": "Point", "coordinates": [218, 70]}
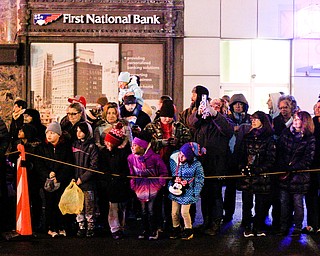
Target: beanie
{"type": "Point", "coordinates": [140, 142]}
{"type": "Point", "coordinates": [79, 99]}
{"type": "Point", "coordinates": [192, 149]}
{"type": "Point", "coordinates": [200, 90]}
{"type": "Point", "coordinates": [167, 109]}
{"type": "Point", "coordinates": [124, 77]}
{"type": "Point", "coordinates": [102, 101]}
{"type": "Point", "coordinates": [54, 127]}
{"type": "Point", "coordinates": [129, 99]}
{"type": "Point", "coordinates": [116, 135]}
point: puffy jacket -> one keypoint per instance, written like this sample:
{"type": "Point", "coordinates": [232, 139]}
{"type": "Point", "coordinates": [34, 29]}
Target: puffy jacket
{"type": "Point", "coordinates": [258, 150]}
{"type": "Point", "coordinates": [148, 165]}
{"type": "Point", "coordinates": [295, 152]}
{"type": "Point", "coordinates": [115, 162]}
{"type": "Point", "coordinates": [86, 155]}
{"type": "Point", "coordinates": [193, 174]}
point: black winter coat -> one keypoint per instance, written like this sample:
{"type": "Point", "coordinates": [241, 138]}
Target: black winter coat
{"type": "Point", "coordinates": [86, 154]}
{"type": "Point", "coordinates": [295, 152]}
{"type": "Point", "coordinates": [214, 134]}
{"type": "Point", "coordinates": [62, 152]}
{"type": "Point", "coordinates": [115, 162]}
{"type": "Point", "coordinates": [258, 151]}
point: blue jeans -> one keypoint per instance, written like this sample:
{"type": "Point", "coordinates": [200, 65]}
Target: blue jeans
{"type": "Point", "coordinates": [287, 200]}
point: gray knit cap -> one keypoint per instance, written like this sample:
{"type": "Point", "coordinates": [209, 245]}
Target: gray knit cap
{"type": "Point", "coordinates": [54, 127]}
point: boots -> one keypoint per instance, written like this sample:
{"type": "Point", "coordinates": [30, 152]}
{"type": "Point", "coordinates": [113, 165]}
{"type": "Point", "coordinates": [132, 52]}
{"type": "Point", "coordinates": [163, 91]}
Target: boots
{"type": "Point", "coordinates": [215, 228]}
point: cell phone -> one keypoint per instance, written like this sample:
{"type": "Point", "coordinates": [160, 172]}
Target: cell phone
{"type": "Point", "coordinates": [204, 98]}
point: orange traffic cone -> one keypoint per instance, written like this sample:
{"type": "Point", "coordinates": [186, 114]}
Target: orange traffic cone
{"type": "Point", "coordinates": [23, 216]}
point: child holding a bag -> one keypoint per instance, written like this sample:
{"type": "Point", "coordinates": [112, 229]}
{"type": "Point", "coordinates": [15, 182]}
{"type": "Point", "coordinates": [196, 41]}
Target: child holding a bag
{"type": "Point", "coordinates": [144, 163]}
{"type": "Point", "coordinates": [185, 187]}
{"type": "Point", "coordinates": [85, 153]}
{"type": "Point", "coordinates": [56, 148]}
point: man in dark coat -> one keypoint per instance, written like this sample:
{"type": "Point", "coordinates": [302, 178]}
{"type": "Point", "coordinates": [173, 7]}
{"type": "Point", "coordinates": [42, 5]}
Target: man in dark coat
{"type": "Point", "coordinates": [212, 131]}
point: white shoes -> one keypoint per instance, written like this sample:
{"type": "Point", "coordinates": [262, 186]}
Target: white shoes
{"type": "Point", "coordinates": [62, 233]}
{"type": "Point", "coordinates": [52, 233]}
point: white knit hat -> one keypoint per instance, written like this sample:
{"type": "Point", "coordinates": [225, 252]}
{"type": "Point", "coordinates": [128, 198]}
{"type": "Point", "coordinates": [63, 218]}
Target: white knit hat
{"type": "Point", "coordinates": [124, 77]}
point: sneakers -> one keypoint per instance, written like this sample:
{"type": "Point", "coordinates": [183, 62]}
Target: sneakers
{"type": "Point", "coordinates": [81, 233]}
{"type": "Point", "coordinates": [187, 234]}
{"type": "Point", "coordinates": [143, 235]}
{"type": "Point", "coordinates": [154, 235]}
{"type": "Point", "coordinates": [176, 233]}
{"type": "Point", "coordinates": [52, 233]}
{"type": "Point", "coordinates": [62, 233]}
{"type": "Point", "coordinates": [117, 235]}
{"type": "Point", "coordinates": [261, 233]}
{"type": "Point", "coordinates": [248, 233]}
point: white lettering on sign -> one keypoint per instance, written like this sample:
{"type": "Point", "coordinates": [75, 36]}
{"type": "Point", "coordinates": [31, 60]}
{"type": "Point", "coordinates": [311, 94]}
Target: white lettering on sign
{"type": "Point", "coordinates": [109, 19]}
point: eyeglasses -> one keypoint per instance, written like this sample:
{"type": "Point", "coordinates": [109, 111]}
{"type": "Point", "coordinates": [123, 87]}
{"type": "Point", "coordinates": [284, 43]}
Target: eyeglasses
{"type": "Point", "coordinates": [73, 114]}
{"type": "Point", "coordinates": [285, 107]}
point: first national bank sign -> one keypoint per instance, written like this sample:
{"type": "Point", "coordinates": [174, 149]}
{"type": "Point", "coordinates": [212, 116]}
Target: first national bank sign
{"type": "Point", "coordinates": [45, 18]}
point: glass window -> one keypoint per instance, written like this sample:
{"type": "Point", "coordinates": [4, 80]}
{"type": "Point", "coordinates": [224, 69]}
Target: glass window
{"type": "Point", "coordinates": [91, 70]}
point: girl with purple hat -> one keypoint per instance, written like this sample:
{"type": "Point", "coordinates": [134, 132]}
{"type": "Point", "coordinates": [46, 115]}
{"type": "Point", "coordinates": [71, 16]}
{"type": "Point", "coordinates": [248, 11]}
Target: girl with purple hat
{"type": "Point", "coordinates": [185, 187]}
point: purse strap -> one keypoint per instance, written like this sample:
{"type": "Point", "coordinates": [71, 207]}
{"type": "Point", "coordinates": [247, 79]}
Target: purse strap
{"type": "Point", "coordinates": [177, 172]}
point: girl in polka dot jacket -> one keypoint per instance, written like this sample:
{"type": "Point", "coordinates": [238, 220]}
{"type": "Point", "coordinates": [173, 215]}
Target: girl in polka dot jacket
{"type": "Point", "coordinates": [185, 187]}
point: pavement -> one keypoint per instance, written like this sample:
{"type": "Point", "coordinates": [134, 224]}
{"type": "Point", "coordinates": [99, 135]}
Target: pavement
{"type": "Point", "coordinates": [229, 242]}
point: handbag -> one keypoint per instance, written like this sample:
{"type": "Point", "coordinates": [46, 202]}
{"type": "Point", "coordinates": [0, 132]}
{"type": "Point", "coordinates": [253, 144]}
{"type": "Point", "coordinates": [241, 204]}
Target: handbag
{"type": "Point", "coordinates": [179, 185]}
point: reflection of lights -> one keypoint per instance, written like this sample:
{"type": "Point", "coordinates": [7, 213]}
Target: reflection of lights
{"type": "Point", "coordinates": [285, 243]}
{"type": "Point", "coordinates": [307, 22]}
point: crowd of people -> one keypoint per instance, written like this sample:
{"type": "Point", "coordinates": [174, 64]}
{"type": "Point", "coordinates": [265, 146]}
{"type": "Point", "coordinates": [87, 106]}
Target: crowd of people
{"type": "Point", "coordinates": [128, 163]}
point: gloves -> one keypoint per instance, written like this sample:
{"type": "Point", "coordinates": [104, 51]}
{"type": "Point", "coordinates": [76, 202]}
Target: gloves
{"type": "Point", "coordinates": [169, 142]}
{"type": "Point", "coordinates": [173, 141]}
{"type": "Point", "coordinates": [165, 142]}
{"type": "Point", "coordinates": [212, 111]}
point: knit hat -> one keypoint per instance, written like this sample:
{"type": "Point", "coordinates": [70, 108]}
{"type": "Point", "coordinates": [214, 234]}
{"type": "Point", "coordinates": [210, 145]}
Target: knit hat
{"type": "Point", "coordinates": [130, 99]}
{"type": "Point", "coordinates": [80, 99]}
{"type": "Point", "coordinates": [116, 135]}
{"type": "Point", "coordinates": [124, 77]}
{"type": "Point", "coordinates": [54, 127]}
{"type": "Point", "coordinates": [102, 101]}
{"type": "Point", "coordinates": [33, 113]}
{"type": "Point", "coordinates": [167, 109]}
{"type": "Point", "coordinates": [200, 90]}
{"type": "Point", "coordinates": [192, 149]}
{"type": "Point", "coordinates": [140, 142]}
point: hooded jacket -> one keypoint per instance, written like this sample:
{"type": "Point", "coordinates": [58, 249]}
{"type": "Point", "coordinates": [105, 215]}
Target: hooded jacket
{"type": "Point", "coordinates": [275, 111]}
{"type": "Point", "coordinates": [85, 153]}
{"type": "Point", "coordinates": [148, 165]}
{"type": "Point", "coordinates": [239, 118]}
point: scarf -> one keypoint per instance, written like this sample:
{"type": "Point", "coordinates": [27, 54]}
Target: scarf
{"type": "Point", "coordinates": [15, 115]}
